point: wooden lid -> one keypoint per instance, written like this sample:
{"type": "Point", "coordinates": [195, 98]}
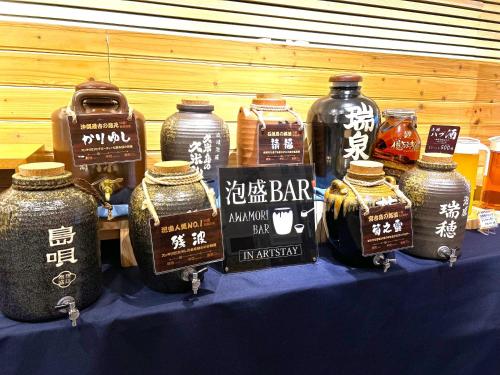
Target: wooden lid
{"type": "Point", "coordinates": [346, 78]}
{"type": "Point", "coordinates": [267, 95]}
{"type": "Point", "coordinates": [171, 166]}
{"type": "Point", "coordinates": [195, 102]}
{"type": "Point", "coordinates": [270, 99]}
{"type": "Point", "coordinates": [437, 158]}
{"type": "Point", "coordinates": [44, 169]}
{"type": "Point", "coordinates": [366, 168]}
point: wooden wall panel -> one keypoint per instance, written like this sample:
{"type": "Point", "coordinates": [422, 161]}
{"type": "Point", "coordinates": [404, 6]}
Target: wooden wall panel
{"type": "Point", "coordinates": [40, 64]}
{"type": "Point", "coordinates": [454, 28]}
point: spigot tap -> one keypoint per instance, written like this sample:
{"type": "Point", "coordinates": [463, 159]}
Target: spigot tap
{"type": "Point", "coordinates": [108, 186]}
{"type": "Point", "coordinates": [450, 254]}
{"type": "Point", "coordinates": [381, 260]}
{"type": "Point", "coordinates": [193, 275]}
{"type": "Point", "coordinates": [68, 304]}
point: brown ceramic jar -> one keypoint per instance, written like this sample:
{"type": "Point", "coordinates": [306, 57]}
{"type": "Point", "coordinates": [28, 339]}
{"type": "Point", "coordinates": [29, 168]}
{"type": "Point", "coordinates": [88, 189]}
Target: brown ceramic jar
{"type": "Point", "coordinates": [115, 180]}
{"type": "Point", "coordinates": [273, 111]}
{"type": "Point", "coordinates": [440, 199]}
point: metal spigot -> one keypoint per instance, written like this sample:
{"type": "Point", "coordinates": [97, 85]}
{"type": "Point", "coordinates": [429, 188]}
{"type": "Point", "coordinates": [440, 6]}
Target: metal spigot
{"type": "Point", "coordinates": [447, 253]}
{"type": "Point", "coordinates": [68, 304]}
{"type": "Point", "coordinates": [108, 186]}
{"type": "Point", "coordinates": [381, 260]}
{"type": "Point", "coordinates": [193, 275]}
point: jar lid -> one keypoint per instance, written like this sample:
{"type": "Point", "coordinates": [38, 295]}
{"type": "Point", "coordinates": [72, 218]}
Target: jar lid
{"type": "Point", "coordinates": [438, 161]}
{"type": "Point", "coordinates": [43, 169]}
{"type": "Point", "coordinates": [96, 85]}
{"type": "Point", "coordinates": [346, 78]}
{"type": "Point", "coordinates": [41, 176]}
{"type": "Point", "coordinates": [195, 105]}
{"type": "Point", "coordinates": [366, 168]}
{"type": "Point", "coordinates": [399, 112]}
{"type": "Point", "coordinates": [269, 99]}
{"type": "Point", "coordinates": [171, 166]}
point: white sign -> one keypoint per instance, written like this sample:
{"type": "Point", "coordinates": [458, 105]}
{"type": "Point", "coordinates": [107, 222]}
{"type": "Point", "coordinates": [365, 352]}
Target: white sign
{"type": "Point", "coordinates": [487, 219]}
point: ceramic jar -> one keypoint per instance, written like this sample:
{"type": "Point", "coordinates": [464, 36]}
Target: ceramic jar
{"type": "Point", "coordinates": [440, 199]}
{"type": "Point", "coordinates": [197, 135]}
{"type": "Point", "coordinates": [168, 200]}
{"type": "Point", "coordinates": [49, 249]}
{"type": "Point", "coordinates": [115, 180]}
{"type": "Point", "coordinates": [341, 214]}
{"type": "Point", "coordinates": [272, 108]}
{"type": "Point", "coordinates": [343, 127]}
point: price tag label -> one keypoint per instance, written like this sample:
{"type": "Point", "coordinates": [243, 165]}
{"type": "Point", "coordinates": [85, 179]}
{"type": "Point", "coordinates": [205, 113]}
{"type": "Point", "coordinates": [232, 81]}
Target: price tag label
{"type": "Point", "coordinates": [184, 240]}
{"type": "Point", "coordinates": [487, 219]}
{"type": "Point", "coordinates": [386, 228]}
{"type": "Point", "coordinates": [442, 139]}
{"type": "Point", "coordinates": [281, 143]}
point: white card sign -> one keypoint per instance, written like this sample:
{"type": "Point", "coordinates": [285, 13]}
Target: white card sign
{"type": "Point", "coordinates": [487, 220]}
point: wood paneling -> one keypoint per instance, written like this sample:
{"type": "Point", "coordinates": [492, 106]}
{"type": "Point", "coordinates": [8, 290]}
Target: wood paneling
{"type": "Point", "coordinates": [42, 69]}
{"type": "Point", "coordinates": [40, 64]}
{"type": "Point", "coordinates": [451, 29]}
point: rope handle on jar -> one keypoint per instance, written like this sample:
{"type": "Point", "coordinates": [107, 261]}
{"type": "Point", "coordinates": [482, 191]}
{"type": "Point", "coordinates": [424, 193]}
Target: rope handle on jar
{"type": "Point", "coordinates": [258, 109]}
{"type": "Point", "coordinates": [192, 177]}
{"type": "Point", "coordinates": [88, 188]}
{"type": "Point", "coordinates": [349, 181]}
{"type": "Point", "coordinates": [70, 112]}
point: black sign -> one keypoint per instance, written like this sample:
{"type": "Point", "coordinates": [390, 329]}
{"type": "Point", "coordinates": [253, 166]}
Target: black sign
{"type": "Point", "coordinates": [267, 216]}
{"type": "Point", "coordinates": [98, 138]}
{"type": "Point", "coordinates": [442, 139]}
{"type": "Point", "coordinates": [386, 228]}
{"type": "Point", "coordinates": [184, 240]}
{"type": "Point", "coordinates": [281, 143]}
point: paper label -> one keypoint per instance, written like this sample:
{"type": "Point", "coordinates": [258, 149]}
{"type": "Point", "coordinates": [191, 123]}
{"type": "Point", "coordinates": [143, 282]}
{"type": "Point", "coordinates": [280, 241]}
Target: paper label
{"type": "Point", "coordinates": [386, 228]}
{"type": "Point", "coordinates": [98, 138]}
{"type": "Point", "coordinates": [487, 219]}
{"type": "Point", "coordinates": [442, 139]}
{"type": "Point", "coordinates": [281, 143]}
{"type": "Point", "coordinates": [184, 240]}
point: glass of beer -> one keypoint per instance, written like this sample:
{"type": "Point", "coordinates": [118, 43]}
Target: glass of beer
{"type": "Point", "coordinates": [467, 158]}
{"type": "Point", "coordinates": [490, 195]}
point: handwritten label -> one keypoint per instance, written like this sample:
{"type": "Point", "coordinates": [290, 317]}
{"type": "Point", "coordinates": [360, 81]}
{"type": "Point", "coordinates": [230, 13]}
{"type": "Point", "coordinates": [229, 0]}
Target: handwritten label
{"type": "Point", "coordinates": [185, 240]}
{"type": "Point", "coordinates": [281, 143]}
{"type": "Point", "coordinates": [386, 228]}
{"type": "Point", "coordinates": [442, 139]}
{"type": "Point", "coordinates": [99, 138]}
{"type": "Point", "coordinates": [487, 219]}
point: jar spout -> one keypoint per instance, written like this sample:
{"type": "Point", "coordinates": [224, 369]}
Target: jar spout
{"type": "Point", "coordinates": [447, 253]}
{"type": "Point", "coordinates": [108, 186]}
{"type": "Point", "coordinates": [381, 260]}
{"type": "Point", "coordinates": [68, 304]}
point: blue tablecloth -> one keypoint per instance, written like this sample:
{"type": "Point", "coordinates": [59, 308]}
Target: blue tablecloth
{"type": "Point", "coordinates": [420, 318]}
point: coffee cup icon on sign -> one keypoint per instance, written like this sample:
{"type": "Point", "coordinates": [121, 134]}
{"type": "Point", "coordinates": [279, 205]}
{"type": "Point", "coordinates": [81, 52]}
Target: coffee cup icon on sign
{"type": "Point", "coordinates": [283, 220]}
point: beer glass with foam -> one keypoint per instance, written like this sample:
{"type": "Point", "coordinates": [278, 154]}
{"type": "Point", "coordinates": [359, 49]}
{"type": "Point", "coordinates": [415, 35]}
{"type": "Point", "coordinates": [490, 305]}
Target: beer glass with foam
{"type": "Point", "coordinates": [467, 158]}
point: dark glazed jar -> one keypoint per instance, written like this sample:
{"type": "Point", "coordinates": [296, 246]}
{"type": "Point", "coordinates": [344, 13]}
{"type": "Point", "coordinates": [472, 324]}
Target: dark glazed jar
{"type": "Point", "coordinates": [344, 126]}
{"type": "Point", "coordinates": [115, 180]}
{"type": "Point", "coordinates": [341, 216]}
{"type": "Point", "coordinates": [167, 200]}
{"type": "Point", "coordinates": [440, 199]}
{"type": "Point", "coordinates": [397, 144]}
{"type": "Point", "coordinates": [49, 250]}
{"type": "Point", "coordinates": [197, 135]}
